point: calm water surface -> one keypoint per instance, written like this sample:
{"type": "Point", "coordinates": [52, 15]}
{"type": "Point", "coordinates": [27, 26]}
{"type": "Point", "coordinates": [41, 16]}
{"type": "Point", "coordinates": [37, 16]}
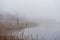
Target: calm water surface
{"type": "Point", "coordinates": [45, 31]}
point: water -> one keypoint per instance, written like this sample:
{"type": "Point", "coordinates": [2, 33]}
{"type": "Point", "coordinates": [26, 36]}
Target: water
{"type": "Point", "coordinates": [45, 31]}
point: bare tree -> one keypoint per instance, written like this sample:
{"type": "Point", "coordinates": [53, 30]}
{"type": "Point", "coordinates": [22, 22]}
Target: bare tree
{"type": "Point", "coordinates": [17, 21]}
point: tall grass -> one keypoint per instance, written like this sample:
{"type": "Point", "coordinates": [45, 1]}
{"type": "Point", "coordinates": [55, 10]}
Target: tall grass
{"type": "Point", "coordinates": [11, 25]}
{"type": "Point", "coordinates": [6, 26]}
{"type": "Point", "coordinates": [14, 37]}
{"type": "Point", "coordinates": [10, 37]}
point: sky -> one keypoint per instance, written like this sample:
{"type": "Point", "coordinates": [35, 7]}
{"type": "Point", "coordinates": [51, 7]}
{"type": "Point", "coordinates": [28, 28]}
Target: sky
{"type": "Point", "coordinates": [41, 9]}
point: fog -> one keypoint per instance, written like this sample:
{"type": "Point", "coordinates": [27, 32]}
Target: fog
{"type": "Point", "coordinates": [36, 9]}
{"type": "Point", "coordinates": [42, 11]}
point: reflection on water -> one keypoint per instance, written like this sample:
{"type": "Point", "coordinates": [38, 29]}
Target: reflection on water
{"type": "Point", "coordinates": [45, 31]}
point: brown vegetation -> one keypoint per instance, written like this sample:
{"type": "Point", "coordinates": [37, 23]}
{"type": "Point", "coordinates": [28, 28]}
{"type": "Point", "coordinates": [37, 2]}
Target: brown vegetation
{"type": "Point", "coordinates": [7, 27]}
{"type": "Point", "coordinates": [10, 37]}
{"type": "Point", "coordinates": [10, 26]}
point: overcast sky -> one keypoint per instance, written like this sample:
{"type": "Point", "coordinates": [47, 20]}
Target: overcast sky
{"type": "Point", "coordinates": [43, 9]}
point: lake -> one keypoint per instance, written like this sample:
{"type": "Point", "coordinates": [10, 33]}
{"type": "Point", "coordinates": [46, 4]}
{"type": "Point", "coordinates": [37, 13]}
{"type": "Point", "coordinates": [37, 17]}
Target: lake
{"type": "Point", "coordinates": [44, 31]}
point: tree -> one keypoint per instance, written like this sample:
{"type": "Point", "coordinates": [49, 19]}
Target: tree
{"type": "Point", "coordinates": [17, 21]}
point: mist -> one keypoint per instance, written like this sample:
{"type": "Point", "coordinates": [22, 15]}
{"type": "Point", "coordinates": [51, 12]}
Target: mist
{"type": "Point", "coordinates": [33, 9]}
{"type": "Point", "coordinates": [40, 17]}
